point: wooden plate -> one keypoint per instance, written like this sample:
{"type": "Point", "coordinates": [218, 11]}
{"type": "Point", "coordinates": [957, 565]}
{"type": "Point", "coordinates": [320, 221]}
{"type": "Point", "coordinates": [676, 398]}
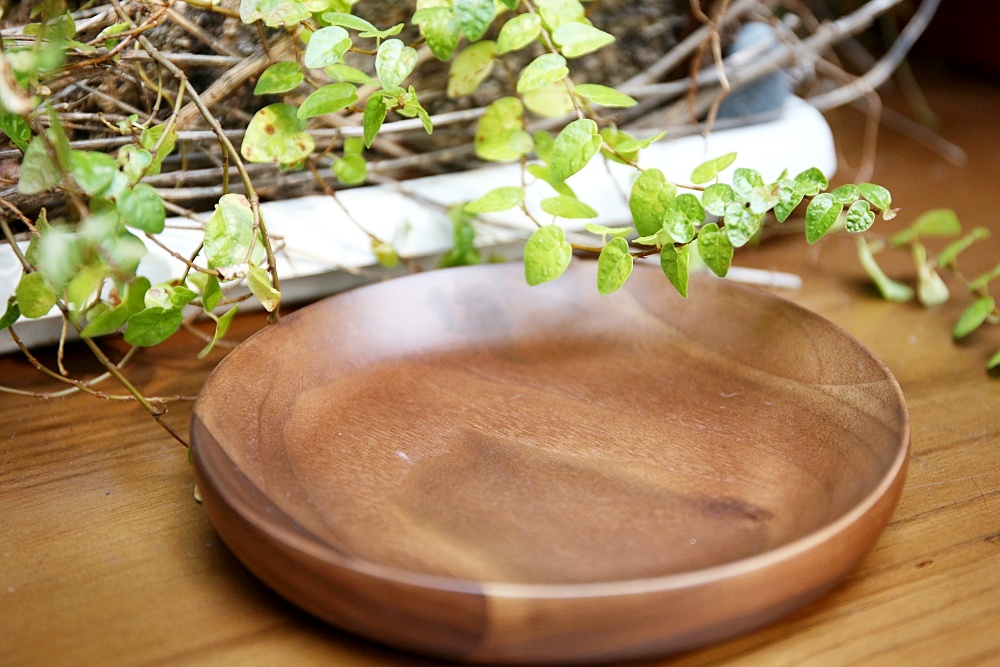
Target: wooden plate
{"type": "Point", "coordinates": [459, 464]}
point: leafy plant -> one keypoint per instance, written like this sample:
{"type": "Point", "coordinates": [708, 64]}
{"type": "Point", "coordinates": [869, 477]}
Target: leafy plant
{"type": "Point", "coordinates": [931, 290]}
{"type": "Point", "coordinates": [325, 65]}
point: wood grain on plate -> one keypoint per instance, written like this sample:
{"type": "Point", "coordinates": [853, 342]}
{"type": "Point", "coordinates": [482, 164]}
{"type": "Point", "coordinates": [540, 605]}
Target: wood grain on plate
{"type": "Point", "coordinates": [459, 464]}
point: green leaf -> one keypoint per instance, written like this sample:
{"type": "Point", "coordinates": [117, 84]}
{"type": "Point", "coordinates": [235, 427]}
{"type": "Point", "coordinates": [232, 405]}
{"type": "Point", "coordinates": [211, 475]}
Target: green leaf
{"type": "Point", "coordinates": [741, 224]}
{"type": "Point", "coordinates": [607, 97]}
{"type": "Point", "coordinates": [113, 319]}
{"type": "Point", "coordinates": [284, 13]}
{"type": "Point", "coordinates": [85, 283]}
{"type": "Point", "coordinates": [124, 252]}
{"type": "Point", "coordinates": [578, 39]}
{"type": "Point", "coordinates": [208, 285]}
{"type": "Point", "coordinates": [555, 13]}
{"type": "Point", "coordinates": [328, 99]}
{"type": "Point", "coordinates": [811, 182]}
{"type": "Point", "coordinates": [613, 138]}
{"type": "Point", "coordinates": [544, 143]}
{"type": "Point", "coordinates": [573, 148]}
{"type": "Point", "coordinates": [11, 315]}
{"type": "Point", "coordinates": [715, 249]}
{"type": "Point", "coordinates": [542, 71]}
{"type": "Point", "coordinates": [744, 183]}
{"type": "Point", "coordinates": [221, 327]}
{"type": "Point", "coordinates": [59, 257]}
{"type": "Point", "coordinates": [789, 197]}
{"type": "Point", "coordinates": [327, 46]}
{"type": "Point", "coordinates": [19, 132]}
{"type": "Point", "coordinates": [551, 101]}
{"type": "Point", "coordinates": [994, 361]}
{"type": "Point", "coordinates": [566, 206]}
{"type": "Point", "coordinates": [114, 29]}
{"type": "Point", "coordinates": [859, 217]}
{"type": "Point", "coordinates": [373, 117]}
{"type": "Point", "coordinates": [474, 16]}
{"type": "Point", "coordinates": [614, 266]}
{"type": "Point", "coordinates": [345, 73]}
{"type": "Point", "coordinates": [102, 224]}
{"type": "Point", "coordinates": [441, 29]}
{"type": "Point", "coordinates": [877, 195]}
{"type": "Point", "coordinates": [710, 169]}
{"type": "Point", "coordinates": [142, 208]}
{"type": "Point", "coordinates": [35, 296]}
{"type": "Point", "coordinates": [936, 222]}
{"type": "Point", "coordinates": [38, 172]}
{"type": "Point", "coordinates": [630, 145]}
{"type": "Point", "coordinates": [614, 232]}
{"type": "Point", "coordinates": [518, 32]}
{"type": "Point", "coordinates": [351, 169]}
{"type": "Point", "coordinates": [250, 10]}
{"type": "Point", "coordinates": [152, 326]}
{"type": "Point", "coordinates": [499, 199]}
{"type": "Point", "coordinates": [891, 290]}
{"type": "Point", "coordinates": [259, 282]}
{"type": "Point", "coordinates": [509, 4]}
{"type": "Point", "coordinates": [981, 281]}
{"type": "Point", "coordinates": [763, 198]}
{"type": "Point", "coordinates": [973, 317]}
{"type": "Point", "coordinates": [542, 172]}
{"type": "Point", "coordinates": [229, 232]}
{"type": "Point", "coordinates": [682, 217]}
{"type": "Point", "coordinates": [279, 78]}
{"type": "Point", "coordinates": [676, 265]}
{"type": "Point", "coordinates": [135, 162]}
{"type": "Point", "coordinates": [717, 197]}
{"type": "Point", "coordinates": [546, 255]}
{"type": "Point", "coordinates": [394, 62]}
{"type": "Point", "coordinates": [181, 296]}
{"type": "Point", "coordinates": [159, 140]}
{"type": "Point", "coordinates": [648, 201]}
{"type": "Point", "coordinates": [952, 250]}
{"type": "Point", "coordinates": [384, 253]}
{"type": "Point", "coordinates": [350, 21]}
{"type": "Point", "coordinates": [58, 140]}
{"type": "Point", "coordinates": [463, 252]}
{"type": "Point", "coordinates": [500, 135]}
{"type": "Point", "coordinates": [277, 134]}
{"type": "Point", "coordinates": [354, 145]}
{"type": "Point", "coordinates": [846, 194]}
{"type": "Point", "coordinates": [659, 239]}
{"type": "Point", "coordinates": [470, 68]}
{"type": "Point", "coordinates": [821, 213]}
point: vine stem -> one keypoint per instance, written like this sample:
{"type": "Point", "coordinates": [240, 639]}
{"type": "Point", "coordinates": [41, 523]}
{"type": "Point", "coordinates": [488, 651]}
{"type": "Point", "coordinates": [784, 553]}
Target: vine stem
{"type": "Point", "coordinates": [213, 122]}
{"type": "Point", "coordinates": [102, 358]}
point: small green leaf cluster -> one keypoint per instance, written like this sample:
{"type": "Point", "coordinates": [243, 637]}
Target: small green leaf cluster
{"type": "Point", "coordinates": [931, 289]}
{"type": "Point", "coordinates": [325, 31]}
{"type": "Point", "coordinates": [714, 222]}
{"type": "Point", "coordinates": [87, 268]}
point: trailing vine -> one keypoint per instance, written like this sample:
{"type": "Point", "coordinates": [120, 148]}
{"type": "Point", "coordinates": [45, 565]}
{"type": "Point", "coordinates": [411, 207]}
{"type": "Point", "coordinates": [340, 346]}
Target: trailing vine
{"type": "Point", "coordinates": [332, 85]}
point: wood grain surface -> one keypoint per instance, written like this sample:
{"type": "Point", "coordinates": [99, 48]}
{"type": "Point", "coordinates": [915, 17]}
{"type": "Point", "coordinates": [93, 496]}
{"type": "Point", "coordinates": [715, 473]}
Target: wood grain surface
{"type": "Point", "coordinates": [105, 558]}
{"type": "Point", "coordinates": [634, 473]}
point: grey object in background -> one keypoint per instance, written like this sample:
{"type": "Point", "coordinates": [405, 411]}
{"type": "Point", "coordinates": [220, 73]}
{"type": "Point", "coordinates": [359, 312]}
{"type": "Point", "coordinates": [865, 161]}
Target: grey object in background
{"type": "Point", "coordinates": [764, 97]}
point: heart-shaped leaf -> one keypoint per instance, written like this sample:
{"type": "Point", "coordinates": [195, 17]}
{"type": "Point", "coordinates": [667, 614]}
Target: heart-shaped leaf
{"type": "Point", "coordinates": [277, 134]}
{"type": "Point", "coordinates": [546, 255]}
{"type": "Point", "coordinates": [394, 62]}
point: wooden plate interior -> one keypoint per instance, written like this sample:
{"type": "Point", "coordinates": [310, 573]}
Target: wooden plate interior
{"type": "Point", "coordinates": [464, 426]}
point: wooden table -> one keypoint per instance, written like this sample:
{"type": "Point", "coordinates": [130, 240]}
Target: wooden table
{"type": "Point", "coordinates": [105, 557]}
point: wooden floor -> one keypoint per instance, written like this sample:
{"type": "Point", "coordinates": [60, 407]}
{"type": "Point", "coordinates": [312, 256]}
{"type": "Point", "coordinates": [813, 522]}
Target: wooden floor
{"type": "Point", "coordinates": [105, 558]}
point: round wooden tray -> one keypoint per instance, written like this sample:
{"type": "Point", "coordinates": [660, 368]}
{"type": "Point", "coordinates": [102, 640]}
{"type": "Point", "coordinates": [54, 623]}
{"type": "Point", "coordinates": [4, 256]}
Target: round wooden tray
{"type": "Point", "coordinates": [458, 464]}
